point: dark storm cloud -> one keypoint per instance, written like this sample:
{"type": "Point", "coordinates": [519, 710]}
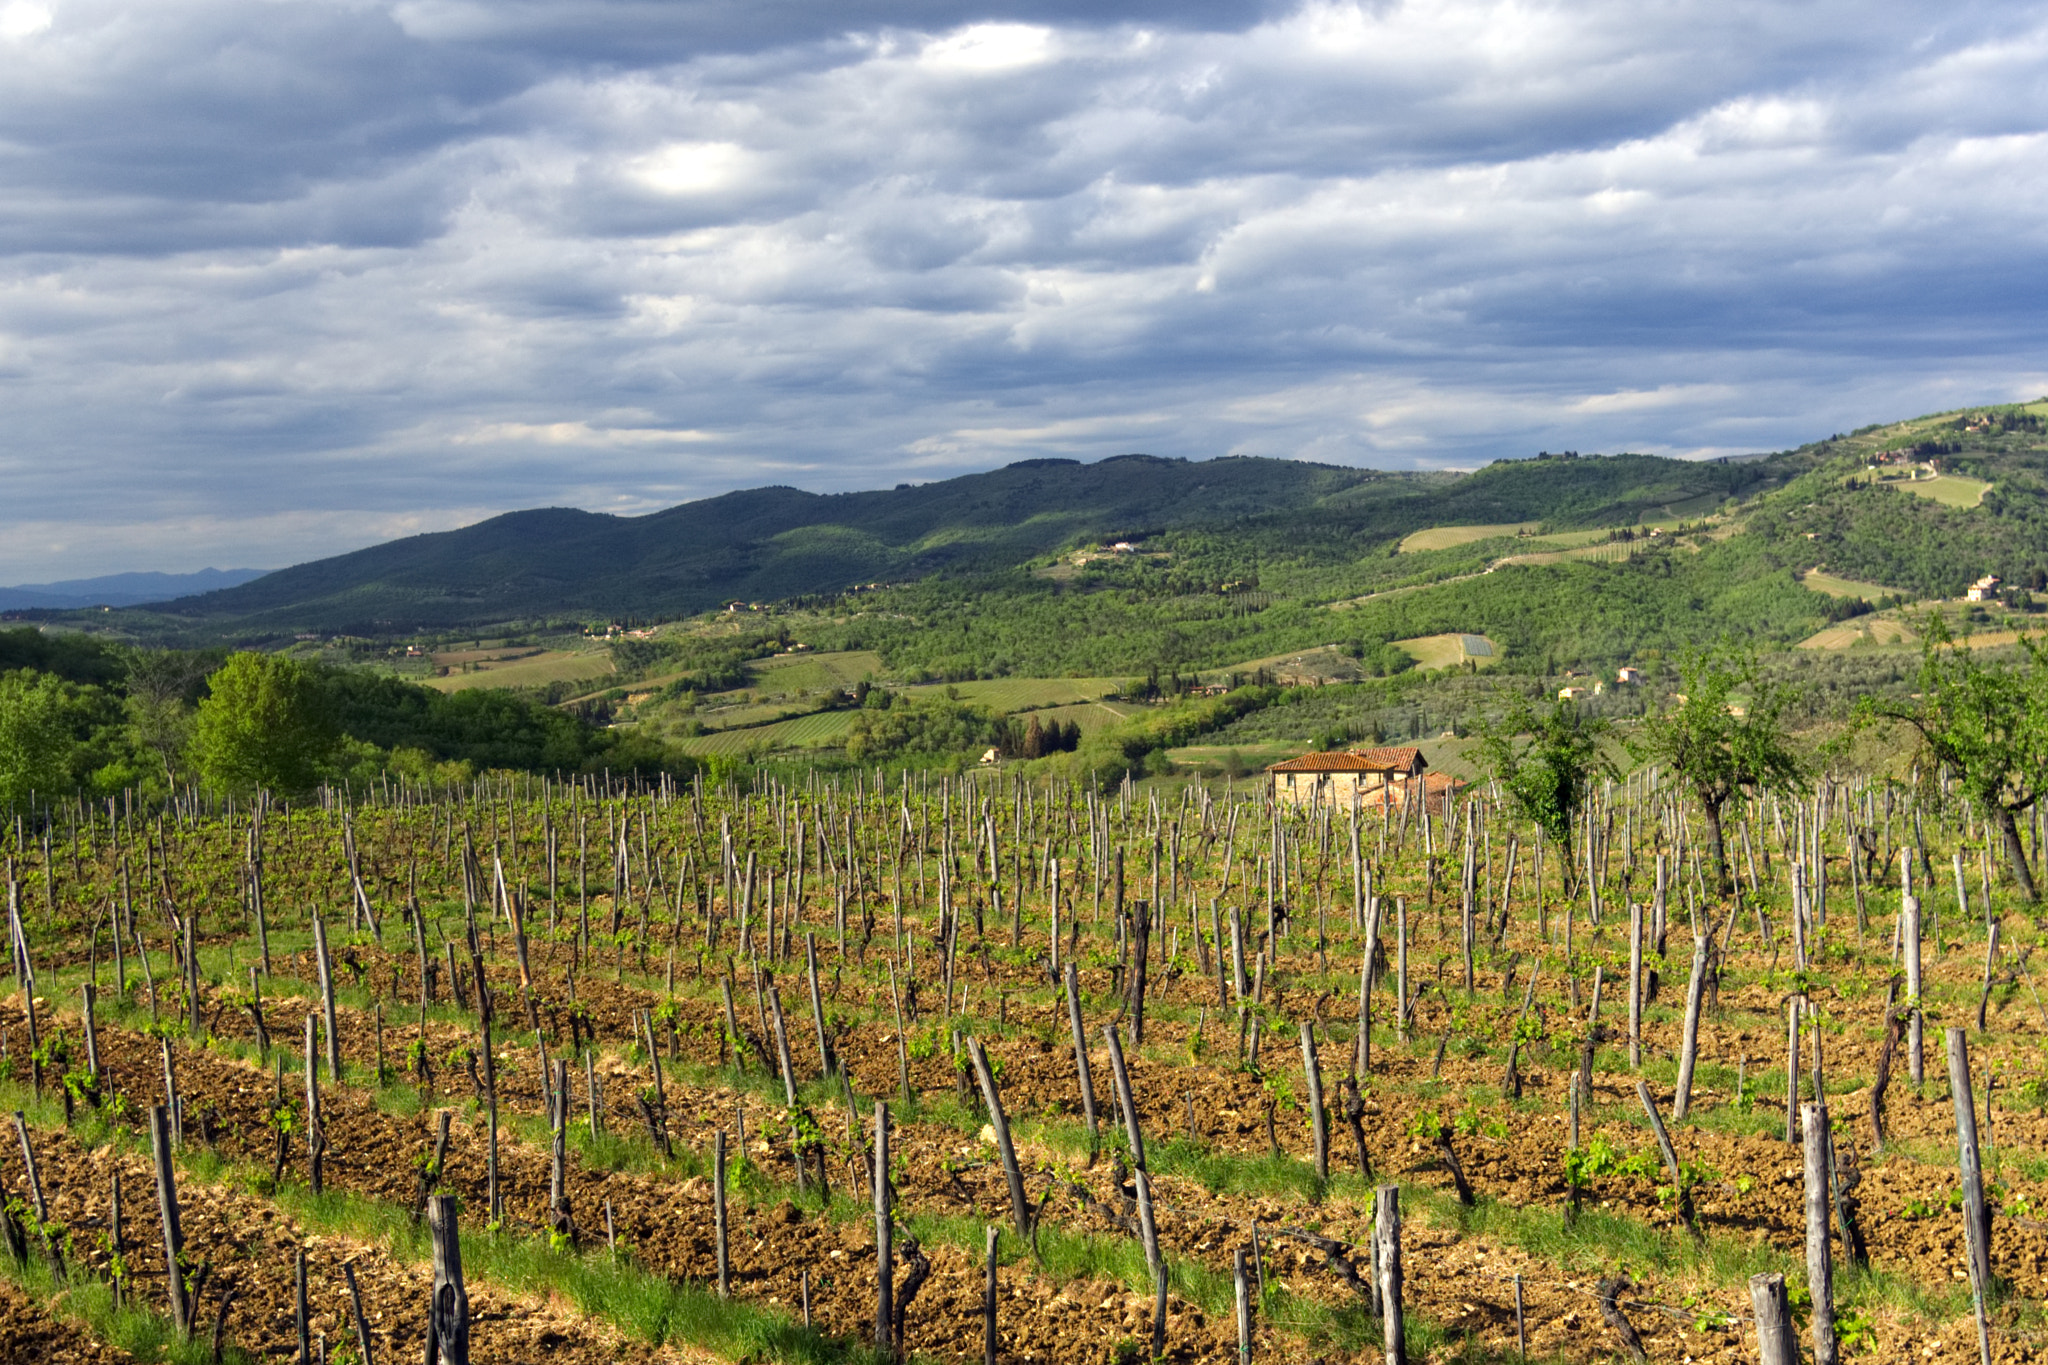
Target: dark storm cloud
{"type": "Point", "coordinates": [280, 279]}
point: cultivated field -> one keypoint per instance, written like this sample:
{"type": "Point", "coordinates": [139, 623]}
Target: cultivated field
{"type": "Point", "coordinates": [1139, 1103]}
{"type": "Point", "coordinates": [1845, 587]}
{"type": "Point", "coordinates": [1863, 630]}
{"type": "Point", "coordinates": [1952, 490]}
{"type": "Point", "coordinates": [813, 672]}
{"type": "Point", "coordinates": [1090, 716]}
{"type": "Point", "coordinates": [534, 669]}
{"type": "Point", "coordinates": [824, 727]}
{"type": "Point", "coordinates": [1606, 552]}
{"type": "Point", "coordinates": [1450, 651]}
{"type": "Point", "coordinates": [1007, 695]}
{"type": "Point", "coordinates": [1449, 537]}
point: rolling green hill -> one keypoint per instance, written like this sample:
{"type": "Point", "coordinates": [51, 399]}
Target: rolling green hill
{"type": "Point", "coordinates": [773, 544]}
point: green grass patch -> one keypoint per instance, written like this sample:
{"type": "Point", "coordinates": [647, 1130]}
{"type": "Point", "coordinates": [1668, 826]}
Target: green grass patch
{"type": "Point", "coordinates": [132, 1327]}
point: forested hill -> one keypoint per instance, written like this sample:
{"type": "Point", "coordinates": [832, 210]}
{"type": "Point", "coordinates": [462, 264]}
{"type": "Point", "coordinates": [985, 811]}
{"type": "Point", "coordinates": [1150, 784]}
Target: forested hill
{"type": "Point", "coordinates": [777, 543]}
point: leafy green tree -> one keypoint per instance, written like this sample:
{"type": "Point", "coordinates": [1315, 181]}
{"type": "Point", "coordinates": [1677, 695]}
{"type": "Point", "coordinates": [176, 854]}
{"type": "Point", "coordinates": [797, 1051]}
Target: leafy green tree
{"type": "Point", "coordinates": [266, 723]}
{"type": "Point", "coordinates": [1719, 745]}
{"type": "Point", "coordinates": [1987, 723]}
{"type": "Point", "coordinates": [38, 713]}
{"type": "Point", "coordinates": [161, 683]}
{"type": "Point", "coordinates": [1548, 762]}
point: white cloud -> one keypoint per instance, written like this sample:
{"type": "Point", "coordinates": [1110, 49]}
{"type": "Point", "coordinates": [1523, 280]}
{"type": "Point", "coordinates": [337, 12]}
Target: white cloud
{"type": "Point", "coordinates": [691, 167]}
{"type": "Point", "coordinates": [577, 434]}
{"type": "Point", "coordinates": [21, 19]}
{"type": "Point", "coordinates": [988, 47]}
{"type": "Point", "coordinates": [345, 262]}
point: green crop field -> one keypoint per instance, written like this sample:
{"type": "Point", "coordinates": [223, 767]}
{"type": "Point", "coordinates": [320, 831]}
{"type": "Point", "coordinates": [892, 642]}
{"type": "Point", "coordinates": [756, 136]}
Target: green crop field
{"type": "Point", "coordinates": [1874, 630]}
{"type": "Point", "coordinates": [1448, 537]}
{"type": "Point", "coordinates": [1606, 552]}
{"type": "Point", "coordinates": [824, 727]}
{"type": "Point", "coordinates": [1090, 716]}
{"type": "Point", "coordinates": [1450, 651]}
{"type": "Point", "coordinates": [744, 717]}
{"type": "Point", "coordinates": [1845, 587]}
{"type": "Point", "coordinates": [534, 671]}
{"type": "Point", "coordinates": [810, 672]}
{"type": "Point", "coordinates": [1023, 694]}
{"type": "Point", "coordinates": [1951, 490]}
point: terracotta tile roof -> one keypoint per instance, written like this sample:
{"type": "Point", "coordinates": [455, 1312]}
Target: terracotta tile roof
{"type": "Point", "coordinates": [1355, 761]}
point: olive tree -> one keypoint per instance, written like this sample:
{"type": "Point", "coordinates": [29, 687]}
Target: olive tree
{"type": "Point", "coordinates": [1548, 762]}
{"type": "Point", "coordinates": [1986, 722]}
{"type": "Point", "coordinates": [1723, 735]}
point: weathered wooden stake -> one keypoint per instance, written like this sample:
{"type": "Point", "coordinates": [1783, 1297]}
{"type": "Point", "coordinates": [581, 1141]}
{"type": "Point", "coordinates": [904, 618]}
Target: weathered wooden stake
{"type": "Point", "coordinates": [718, 1212]}
{"type": "Point", "coordinates": [1122, 1077]}
{"type": "Point", "coordinates": [1689, 1048]}
{"type": "Point", "coordinates": [1081, 1062]}
{"type": "Point", "coordinates": [325, 964]}
{"type": "Point", "coordinates": [316, 1141]}
{"type": "Point", "coordinates": [1386, 1235]}
{"type": "Point", "coordinates": [1909, 933]}
{"type": "Point", "coordinates": [174, 1231]}
{"type": "Point", "coordinates": [1020, 1204]}
{"type": "Point", "coordinates": [1820, 1270]}
{"type": "Point", "coordinates": [301, 1316]}
{"type": "Point", "coordinates": [448, 1318]}
{"type": "Point", "coordinates": [1775, 1342]}
{"type": "Point", "coordinates": [1148, 1232]}
{"type": "Point", "coordinates": [1243, 1286]}
{"type": "Point", "coordinates": [355, 1300]}
{"type": "Point", "coordinates": [1521, 1327]}
{"type": "Point", "coordinates": [1792, 1004]}
{"type": "Point", "coordinates": [988, 1299]}
{"type": "Point", "coordinates": [1319, 1120]}
{"type": "Point", "coordinates": [1970, 1166]}
{"type": "Point", "coordinates": [884, 1267]}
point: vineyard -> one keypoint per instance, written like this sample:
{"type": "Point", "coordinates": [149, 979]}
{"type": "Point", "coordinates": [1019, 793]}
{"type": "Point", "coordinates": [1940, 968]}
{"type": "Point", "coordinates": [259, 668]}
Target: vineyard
{"type": "Point", "coordinates": [892, 1065]}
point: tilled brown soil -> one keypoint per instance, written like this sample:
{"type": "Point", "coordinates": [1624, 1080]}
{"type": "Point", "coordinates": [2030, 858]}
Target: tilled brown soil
{"type": "Point", "coordinates": [667, 1223]}
{"type": "Point", "coordinates": [33, 1334]}
{"type": "Point", "coordinates": [252, 1247]}
{"type": "Point", "coordinates": [1515, 1154]}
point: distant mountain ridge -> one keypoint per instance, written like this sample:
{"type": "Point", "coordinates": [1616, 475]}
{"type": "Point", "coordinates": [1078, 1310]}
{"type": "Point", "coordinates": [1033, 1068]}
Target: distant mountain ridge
{"type": "Point", "coordinates": [121, 589]}
{"type": "Point", "coordinates": [774, 543]}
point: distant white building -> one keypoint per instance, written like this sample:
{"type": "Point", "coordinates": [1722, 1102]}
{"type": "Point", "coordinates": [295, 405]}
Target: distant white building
{"type": "Point", "coordinates": [1570, 693]}
{"type": "Point", "coordinates": [1984, 589]}
{"type": "Point", "coordinates": [1629, 677]}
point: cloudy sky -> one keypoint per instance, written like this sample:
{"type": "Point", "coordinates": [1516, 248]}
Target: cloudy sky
{"type": "Point", "coordinates": [283, 277]}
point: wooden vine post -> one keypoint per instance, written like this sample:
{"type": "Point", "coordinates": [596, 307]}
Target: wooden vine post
{"type": "Point", "coordinates": [1820, 1270]}
{"type": "Point", "coordinates": [1970, 1164]}
{"type": "Point", "coordinates": [325, 965]}
{"type": "Point", "coordinates": [316, 1140]}
{"type": "Point", "coordinates": [1386, 1236]}
{"type": "Point", "coordinates": [1020, 1204]}
{"type": "Point", "coordinates": [1319, 1119]}
{"type": "Point", "coordinates": [174, 1230]}
{"type": "Point", "coordinates": [1689, 1046]}
{"type": "Point", "coordinates": [884, 1236]}
{"type": "Point", "coordinates": [1243, 1288]}
{"type": "Point", "coordinates": [988, 1299]}
{"type": "Point", "coordinates": [1081, 1062]}
{"type": "Point", "coordinates": [718, 1214]}
{"type": "Point", "coordinates": [448, 1316]}
{"type": "Point", "coordinates": [1775, 1342]}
